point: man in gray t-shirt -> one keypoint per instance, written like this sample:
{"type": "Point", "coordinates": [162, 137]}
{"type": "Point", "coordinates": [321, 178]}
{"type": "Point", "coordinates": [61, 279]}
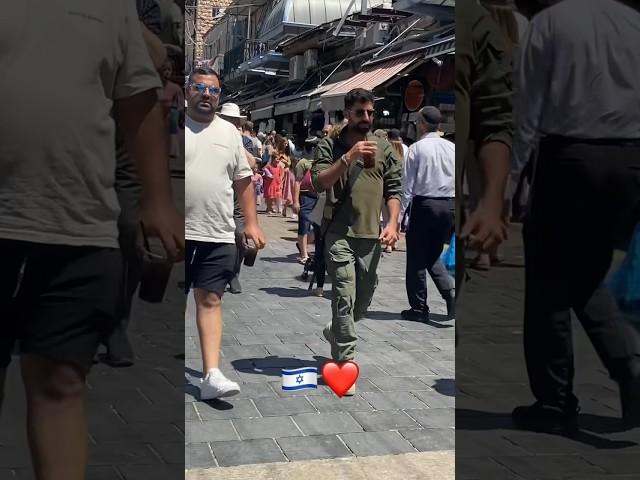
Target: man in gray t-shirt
{"type": "Point", "coordinates": [68, 73]}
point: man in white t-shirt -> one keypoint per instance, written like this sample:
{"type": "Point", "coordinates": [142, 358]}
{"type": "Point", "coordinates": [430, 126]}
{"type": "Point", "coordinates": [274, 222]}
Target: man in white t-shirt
{"type": "Point", "coordinates": [215, 166]}
{"type": "Point", "coordinates": [60, 265]}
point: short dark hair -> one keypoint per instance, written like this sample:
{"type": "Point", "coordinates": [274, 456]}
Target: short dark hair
{"type": "Point", "coordinates": [248, 126]}
{"type": "Point", "coordinates": [358, 95]}
{"type": "Point", "coordinates": [206, 71]}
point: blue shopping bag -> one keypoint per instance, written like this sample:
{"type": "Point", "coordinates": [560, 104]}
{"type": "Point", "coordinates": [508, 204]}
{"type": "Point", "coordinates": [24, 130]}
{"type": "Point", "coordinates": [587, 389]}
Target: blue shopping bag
{"type": "Point", "coordinates": [449, 255]}
{"type": "Point", "coordinates": [625, 282]}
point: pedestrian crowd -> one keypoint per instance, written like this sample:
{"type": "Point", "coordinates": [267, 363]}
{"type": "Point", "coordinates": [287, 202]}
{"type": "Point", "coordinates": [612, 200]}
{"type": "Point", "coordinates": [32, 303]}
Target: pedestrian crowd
{"type": "Point", "coordinates": [351, 190]}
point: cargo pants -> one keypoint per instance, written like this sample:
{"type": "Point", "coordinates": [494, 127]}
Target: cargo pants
{"type": "Point", "coordinates": [352, 264]}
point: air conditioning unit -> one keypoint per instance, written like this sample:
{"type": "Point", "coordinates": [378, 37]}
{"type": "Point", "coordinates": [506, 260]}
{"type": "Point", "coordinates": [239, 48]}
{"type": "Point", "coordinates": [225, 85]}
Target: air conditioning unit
{"type": "Point", "coordinates": [296, 68]}
{"type": "Point", "coordinates": [310, 59]}
{"type": "Point", "coordinates": [374, 36]}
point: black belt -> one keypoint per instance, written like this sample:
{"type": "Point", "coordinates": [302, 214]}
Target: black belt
{"type": "Point", "coordinates": [563, 140]}
{"type": "Point", "coordinates": [421, 198]}
{"type": "Point", "coordinates": [309, 194]}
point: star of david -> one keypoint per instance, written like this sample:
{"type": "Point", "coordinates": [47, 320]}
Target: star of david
{"type": "Point", "coordinates": [299, 379]}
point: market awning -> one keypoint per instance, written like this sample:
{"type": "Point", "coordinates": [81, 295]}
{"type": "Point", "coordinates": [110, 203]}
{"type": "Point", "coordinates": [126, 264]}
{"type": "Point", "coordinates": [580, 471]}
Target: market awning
{"type": "Point", "coordinates": [262, 113]}
{"type": "Point", "coordinates": [369, 79]}
{"type": "Point", "coordinates": [301, 101]}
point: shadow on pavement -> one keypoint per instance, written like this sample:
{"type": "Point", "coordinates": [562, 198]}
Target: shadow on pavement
{"type": "Point", "coordinates": [435, 319]}
{"type": "Point", "coordinates": [589, 424]}
{"type": "Point", "coordinates": [288, 292]}
{"type": "Point", "coordinates": [291, 258]}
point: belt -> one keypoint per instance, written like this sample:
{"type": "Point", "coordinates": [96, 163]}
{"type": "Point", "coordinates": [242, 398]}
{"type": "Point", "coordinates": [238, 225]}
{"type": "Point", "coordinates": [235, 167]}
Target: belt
{"type": "Point", "coordinates": [421, 197]}
{"type": "Point", "coordinates": [561, 139]}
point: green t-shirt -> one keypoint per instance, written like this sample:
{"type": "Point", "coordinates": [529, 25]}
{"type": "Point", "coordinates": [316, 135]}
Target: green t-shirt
{"type": "Point", "coordinates": [359, 217]}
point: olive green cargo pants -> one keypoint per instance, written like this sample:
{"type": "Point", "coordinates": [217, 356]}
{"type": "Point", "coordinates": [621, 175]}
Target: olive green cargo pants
{"type": "Point", "coordinates": [352, 264]}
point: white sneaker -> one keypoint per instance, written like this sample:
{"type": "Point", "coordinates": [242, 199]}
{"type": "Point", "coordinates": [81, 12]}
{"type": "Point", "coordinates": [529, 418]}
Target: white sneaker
{"type": "Point", "coordinates": [216, 385]}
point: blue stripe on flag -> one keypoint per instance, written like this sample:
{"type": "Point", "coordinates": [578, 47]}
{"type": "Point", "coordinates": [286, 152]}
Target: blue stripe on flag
{"type": "Point", "coordinates": [300, 370]}
{"type": "Point", "coordinates": [298, 387]}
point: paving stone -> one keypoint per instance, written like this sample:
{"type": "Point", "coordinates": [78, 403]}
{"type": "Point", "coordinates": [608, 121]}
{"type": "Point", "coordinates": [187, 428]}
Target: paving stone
{"type": "Point", "coordinates": [212, 430]}
{"type": "Point", "coordinates": [553, 467]}
{"type": "Point", "coordinates": [269, 427]}
{"type": "Point", "coordinates": [392, 400]}
{"type": "Point", "coordinates": [284, 406]}
{"type": "Point", "coordinates": [255, 390]}
{"type": "Point", "coordinates": [326, 423]}
{"type": "Point", "coordinates": [433, 417]}
{"type": "Point", "coordinates": [384, 420]}
{"type": "Point", "coordinates": [198, 455]}
{"type": "Point", "coordinates": [331, 403]}
{"type": "Point", "coordinates": [136, 472]}
{"type": "Point", "coordinates": [483, 468]}
{"type": "Point", "coordinates": [377, 443]}
{"type": "Point", "coordinates": [434, 399]}
{"type": "Point", "coordinates": [263, 339]}
{"type": "Point", "coordinates": [259, 375]}
{"type": "Point", "coordinates": [430, 439]}
{"type": "Point", "coordinates": [307, 392]}
{"type": "Point", "coordinates": [399, 384]}
{"type": "Point", "coordinates": [288, 349]}
{"type": "Point", "coordinates": [172, 453]}
{"type": "Point", "coordinates": [407, 369]}
{"type": "Point", "coordinates": [226, 409]}
{"type": "Point", "coordinates": [247, 452]}
{"type": "Point", "coordinates": [315, 447]}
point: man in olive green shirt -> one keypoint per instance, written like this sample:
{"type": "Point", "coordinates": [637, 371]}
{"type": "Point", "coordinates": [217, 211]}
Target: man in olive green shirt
{"type": "Point", "coordinates": [353, 241]}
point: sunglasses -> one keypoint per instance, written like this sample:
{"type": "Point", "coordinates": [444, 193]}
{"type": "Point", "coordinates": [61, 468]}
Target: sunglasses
{"type": "Point", "coordinates": [360, 112]}
{"type": "Point", "coordinates": [201, 88]}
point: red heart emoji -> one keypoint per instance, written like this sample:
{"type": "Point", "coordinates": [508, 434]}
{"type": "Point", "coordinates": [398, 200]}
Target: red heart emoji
{"type": "Point", "coordinates": [341, 377]}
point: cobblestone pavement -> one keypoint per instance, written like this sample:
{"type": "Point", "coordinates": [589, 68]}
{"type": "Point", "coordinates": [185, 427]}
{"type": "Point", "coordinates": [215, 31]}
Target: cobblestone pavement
{"type": "Point", "coordinates": [405, 393]}
{"type": "Point", "coordinates": [136, 422]}
{"type": "Point", "coordinates": [491, 380]}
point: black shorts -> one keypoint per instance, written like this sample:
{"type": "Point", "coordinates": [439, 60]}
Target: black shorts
{"type": "Point", "coordinates": [57, 301]}
{"type": "Point", "coordinates": [209, 266]}
{"type": "Point", "coordinates": [307, 202]}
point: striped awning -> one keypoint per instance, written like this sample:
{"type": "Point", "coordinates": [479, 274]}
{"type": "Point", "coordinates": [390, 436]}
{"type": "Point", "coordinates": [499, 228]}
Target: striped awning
{"type": "Point", "coordinates": [373, 76]}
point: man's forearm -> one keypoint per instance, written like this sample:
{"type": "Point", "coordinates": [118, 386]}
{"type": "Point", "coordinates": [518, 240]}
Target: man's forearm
{"type": "Point", "coordinates": [495, 160]}
{"type": "Point", "coordinates": [393, 205]}
{"type": "Point", "coordinates": [329, 176]}
{"type": "Point", "coordinates": [247, 200]}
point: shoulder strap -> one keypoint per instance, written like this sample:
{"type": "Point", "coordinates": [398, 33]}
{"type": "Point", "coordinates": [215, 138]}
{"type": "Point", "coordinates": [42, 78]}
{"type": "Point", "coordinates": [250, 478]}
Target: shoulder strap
{"type": "Point", "coordinates": [353, 176]}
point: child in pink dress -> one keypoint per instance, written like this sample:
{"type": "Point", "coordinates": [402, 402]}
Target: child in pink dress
{"type": "Point", "coordinates": [273, 175]}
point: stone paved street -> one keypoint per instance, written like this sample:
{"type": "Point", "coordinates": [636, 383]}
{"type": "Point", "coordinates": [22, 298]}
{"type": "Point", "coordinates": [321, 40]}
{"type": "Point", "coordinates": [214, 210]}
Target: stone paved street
{"type": "Point", "coordinates": [405, 397]}
{"type": "Point", "coordinates": [492, 380]}
{"type": "Point", "coordinates": [136, 423]}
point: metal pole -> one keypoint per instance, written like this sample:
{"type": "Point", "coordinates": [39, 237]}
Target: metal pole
{"type": "Point", "coordinates": [344, 18]}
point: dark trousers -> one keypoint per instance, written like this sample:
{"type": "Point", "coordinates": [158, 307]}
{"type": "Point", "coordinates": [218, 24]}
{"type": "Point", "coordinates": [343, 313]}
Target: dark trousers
{"type": "Point", "coordinates": [584, 198]}
{"type": "Point", "coordinates": [319, 267]}
{"type": "Point", "coordinates": [430, 227]}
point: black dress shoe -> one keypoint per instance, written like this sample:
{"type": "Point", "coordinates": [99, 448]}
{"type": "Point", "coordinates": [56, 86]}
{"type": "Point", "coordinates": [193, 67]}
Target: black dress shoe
{"type": "Point", "coordinates": [546, 419]}
{"type": "Point", "coordinates": [450, 299]}
{"type": "Point", "coordinates": [415, 315]}
{"type": "Point", "coordinates": [630, 398]}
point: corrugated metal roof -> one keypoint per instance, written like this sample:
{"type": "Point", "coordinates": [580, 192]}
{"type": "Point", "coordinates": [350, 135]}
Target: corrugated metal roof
{"type": "Point", "coordinates": [307, 13]}
{"type": "Point", "coordinates": [374, 76]}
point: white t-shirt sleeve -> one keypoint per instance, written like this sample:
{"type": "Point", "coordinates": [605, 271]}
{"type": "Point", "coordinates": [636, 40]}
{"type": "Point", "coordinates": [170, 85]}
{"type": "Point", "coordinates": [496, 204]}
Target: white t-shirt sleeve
{"type": "Point", "coordinates": [242, 168]}
{"type": "Point", "coordinates": [136, 73]}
